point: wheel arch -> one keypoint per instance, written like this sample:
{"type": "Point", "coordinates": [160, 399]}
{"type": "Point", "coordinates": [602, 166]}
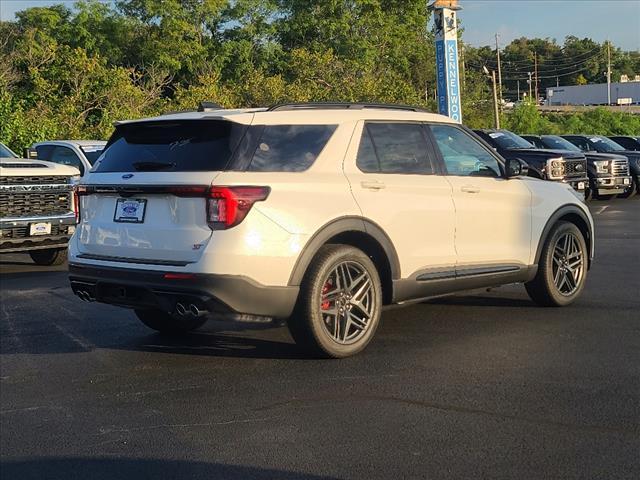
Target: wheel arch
{"type": "Point", "coordinates": [572, 214]}
{"type": "Point", "coordinates": [360, 233]}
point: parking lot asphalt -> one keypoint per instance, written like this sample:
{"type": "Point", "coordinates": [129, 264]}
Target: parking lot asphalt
{"type": "Point", "coordinates": [482, 385]}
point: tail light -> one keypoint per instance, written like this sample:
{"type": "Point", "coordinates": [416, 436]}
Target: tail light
{"type": "Point", "coordinates": [228, 206]}
{"type": "Point", "coordinates": [78, 191]}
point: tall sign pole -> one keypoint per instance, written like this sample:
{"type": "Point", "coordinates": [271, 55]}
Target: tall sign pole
{"type": "Point", "coordinates": [447, 71]}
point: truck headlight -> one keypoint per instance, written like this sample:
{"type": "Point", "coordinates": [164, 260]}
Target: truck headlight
{"type": "Point", "coordinates": [555, 168]}
{"type": "Point", "coordinates": [602, 166]}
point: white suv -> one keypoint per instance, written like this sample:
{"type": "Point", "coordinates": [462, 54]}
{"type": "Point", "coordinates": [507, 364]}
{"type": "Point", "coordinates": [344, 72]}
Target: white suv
{"type": "Point", "coordinates": [319, 214]}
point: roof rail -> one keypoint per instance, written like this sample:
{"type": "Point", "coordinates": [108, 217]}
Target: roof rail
{"type": "Point", "coordinates": [282, 107]}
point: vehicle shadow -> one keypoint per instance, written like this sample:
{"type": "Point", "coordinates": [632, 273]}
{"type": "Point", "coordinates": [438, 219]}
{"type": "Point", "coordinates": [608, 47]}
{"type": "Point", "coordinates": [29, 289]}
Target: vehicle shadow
{"type": "Point", "coordinates": [69, 468]}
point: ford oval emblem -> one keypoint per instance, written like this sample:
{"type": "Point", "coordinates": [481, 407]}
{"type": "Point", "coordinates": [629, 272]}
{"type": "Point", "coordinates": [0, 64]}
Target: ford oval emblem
{"type": "Point", "coordinates": [578, 168]}
{"type": "Point", "coordinates": [127, 176]}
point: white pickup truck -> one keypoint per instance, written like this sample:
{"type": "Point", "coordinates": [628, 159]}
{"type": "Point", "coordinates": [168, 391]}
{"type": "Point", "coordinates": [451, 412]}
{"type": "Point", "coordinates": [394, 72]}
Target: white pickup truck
{"type": "Point", "coordinates": [37, 207]}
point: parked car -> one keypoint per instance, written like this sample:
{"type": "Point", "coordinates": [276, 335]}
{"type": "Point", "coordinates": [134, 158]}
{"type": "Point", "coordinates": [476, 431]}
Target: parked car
{"type": "Point", "coordinates": [628, 176]}
{"type": "Point", "coordinates": [602, 182]}
{"type": "Point", "coordinates": [318, 214]}
{"type": "Point", "coordinates": [564, 166]}
{"type": "Point", "coordinates": [628, 143]}
{"type": "Point", "coordinates": [37, 213]}
{"type": "Point", "coordinates": [81, 154]}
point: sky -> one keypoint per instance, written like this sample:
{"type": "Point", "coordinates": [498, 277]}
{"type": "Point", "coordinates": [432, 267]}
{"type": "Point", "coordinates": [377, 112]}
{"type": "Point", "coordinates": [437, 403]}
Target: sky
{"type": "Point", "coordinates": [615, 20]}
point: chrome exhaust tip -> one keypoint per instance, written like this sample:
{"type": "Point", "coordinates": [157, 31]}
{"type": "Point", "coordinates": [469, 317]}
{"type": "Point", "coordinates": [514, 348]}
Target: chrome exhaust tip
{"type": "Point", "coordinates": [195, 311]}
{"type": "Point", "coordinates": [180, 309]}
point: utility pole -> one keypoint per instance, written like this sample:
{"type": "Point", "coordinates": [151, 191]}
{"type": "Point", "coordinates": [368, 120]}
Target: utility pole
{"type": "Point", "coordinates": [496, 111]}
{"type": "Point", "coordinates": [535, 61]}
{"type": "Point", "coordinates": [499, 69]}
{"type": "Point", "coordinates": [608, 72]}
{"type": "Point", "coordinates": [518, 90]}
{"type": "Point", "coordinates": [530, 85]}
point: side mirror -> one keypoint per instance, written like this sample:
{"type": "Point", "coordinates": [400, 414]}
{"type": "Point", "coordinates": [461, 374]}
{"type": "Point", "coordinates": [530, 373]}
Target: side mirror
{"type": "Point", "coordinates": [514, 167]}
{"type": "Point", "coordinates": [31, 153]}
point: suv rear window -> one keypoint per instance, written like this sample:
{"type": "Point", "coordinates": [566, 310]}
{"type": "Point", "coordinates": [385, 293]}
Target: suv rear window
{"type": "Point", "coordinates": [211, 145]}
{"type": "Point", "coordinates": [165, 146]}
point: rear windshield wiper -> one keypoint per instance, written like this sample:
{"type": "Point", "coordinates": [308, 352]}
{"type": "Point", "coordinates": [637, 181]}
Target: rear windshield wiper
{"type": "Point", "coordinates": [152, 166]}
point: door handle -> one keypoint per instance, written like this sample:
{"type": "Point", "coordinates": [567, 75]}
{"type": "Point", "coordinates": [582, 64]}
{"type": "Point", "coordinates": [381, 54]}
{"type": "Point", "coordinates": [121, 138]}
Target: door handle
{"type": "Point", "coordinates": [375, 185]}
{"type": "Point", "coordinates": [470, 189]}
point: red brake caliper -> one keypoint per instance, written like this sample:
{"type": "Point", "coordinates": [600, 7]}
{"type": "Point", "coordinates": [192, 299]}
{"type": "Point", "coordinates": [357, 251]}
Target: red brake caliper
{"type": "Point", "coordinates": [326, 305]}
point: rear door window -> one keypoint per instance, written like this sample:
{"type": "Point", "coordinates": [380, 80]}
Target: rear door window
{"type": "Point", "coordinates": [289, 148]}
{"type": "Point", "coordinates": [171, 146]}
{"type": "Point", "coordinates": [66, 156]}
{"type": "Point", "coordinates": [399, 148]}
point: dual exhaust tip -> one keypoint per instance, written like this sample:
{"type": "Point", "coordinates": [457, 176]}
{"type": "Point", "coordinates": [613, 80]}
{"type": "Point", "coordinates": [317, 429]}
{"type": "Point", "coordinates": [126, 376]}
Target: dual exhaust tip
{"type": "Point", "coordinates": [85, 296]}
{"type": "Point", "coordinates": [189, 309]}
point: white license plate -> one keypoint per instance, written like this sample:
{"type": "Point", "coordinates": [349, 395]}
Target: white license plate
{"type": "Point", "coordinates": [581, 185]}
{"type": "Point", "coordinates": [130, 210]}
{"type": "Point", "coordinates": [625, 181]}
{"type": "Point", "coordinates": [41, 228]}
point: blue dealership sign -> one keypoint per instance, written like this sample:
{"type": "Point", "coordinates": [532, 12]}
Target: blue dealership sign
{"type": "Point", "coordinates": [448, 78]}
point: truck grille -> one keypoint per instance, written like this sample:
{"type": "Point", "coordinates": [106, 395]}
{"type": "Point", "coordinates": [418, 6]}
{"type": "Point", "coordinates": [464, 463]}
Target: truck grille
{"type": "Point", "coordinates": [620, 168]}
{"type": "Point", "coordinates": [575, 168]}
{"type": "Point", "coordinates": [48, 180]}
{"type": "Point", "coordinates": [30, 204]}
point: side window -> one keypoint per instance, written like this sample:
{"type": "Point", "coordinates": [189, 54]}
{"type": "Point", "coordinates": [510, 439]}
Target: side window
{"type": "Point", "coordinates": [394, 148]}
{"type": "Point", "coordinates": [44, 152]}
{"type": "Point", "coordinates": [289, 148]}
{"type": "Point", "coordinates": [463, 155]}
{"type": "Point", "coordinates": [66, 156]}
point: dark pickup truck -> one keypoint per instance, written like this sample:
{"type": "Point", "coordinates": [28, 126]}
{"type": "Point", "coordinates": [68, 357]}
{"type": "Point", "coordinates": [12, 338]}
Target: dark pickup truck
{"type": "Point", "coordinates": [602, 180]}
{"type": "Point", "coordinates": [628, 178]}
{"type": "Point", "coordinates": [565, 166]}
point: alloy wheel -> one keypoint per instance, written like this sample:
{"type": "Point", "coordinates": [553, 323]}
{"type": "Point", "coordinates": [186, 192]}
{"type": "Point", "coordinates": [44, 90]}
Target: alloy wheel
{"type": "Point", "coordinates": [347, 302]}
{"type": "Point", "coordinates": [568, 264]}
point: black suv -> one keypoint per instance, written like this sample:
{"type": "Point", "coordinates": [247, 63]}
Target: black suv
{"type": "Point", "coordinates": [628, 177]}
{"type": "Point", "coordinates": [602, 182]}
{"type": "Point", "coordinates": [558, 165]}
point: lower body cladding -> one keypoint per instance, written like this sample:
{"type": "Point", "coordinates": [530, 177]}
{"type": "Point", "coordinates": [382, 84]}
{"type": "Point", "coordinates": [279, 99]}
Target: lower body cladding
{"type": "Point", "coordinates": [612, 185]}
{"type": "Point", "coordinates": [181, 293]}
{"type": "Point", "coordinates": [36, 233]}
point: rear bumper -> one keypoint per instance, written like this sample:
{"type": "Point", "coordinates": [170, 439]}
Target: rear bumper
{"type": "Point", "coordinates": [133, 288]}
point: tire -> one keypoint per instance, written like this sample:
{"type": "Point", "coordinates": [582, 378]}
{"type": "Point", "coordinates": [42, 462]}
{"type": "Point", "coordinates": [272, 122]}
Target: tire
{"type": "Point", "coordinates": [565, 247]}
{"type": "Point", "coordinates": [332, 321]}
{"type": "Point", "coordinates": [168, 324]}
{"type": "Point", "coordinates": [632, 191]}
{"type": "Point", "coordinates": [50, 256]}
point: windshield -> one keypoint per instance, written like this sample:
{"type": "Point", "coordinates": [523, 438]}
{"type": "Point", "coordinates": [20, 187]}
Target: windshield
{"type": "Point", "coordinates": [92, 153]}
{"type": "Point", "coordinates": [505, 139]}
{"type": "Point", "coordinates": [6, 153]}
{"type": "Point", "coordinates": [559, 143]}
{"type": "Point", "coordinates": [604, 144]}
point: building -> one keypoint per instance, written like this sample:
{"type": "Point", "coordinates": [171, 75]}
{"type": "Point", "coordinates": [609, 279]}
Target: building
{"type": "Point", "coordinates": [622, 93]}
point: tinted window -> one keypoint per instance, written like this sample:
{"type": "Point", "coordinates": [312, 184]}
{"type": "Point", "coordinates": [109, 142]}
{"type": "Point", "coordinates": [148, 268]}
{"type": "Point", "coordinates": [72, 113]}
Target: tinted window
{"type": "Point", "coordinates": [6, 153]}
{"type": "Point", "coordinates": [506, 139]}
{"type": "Point", "coordinates": [464, 155]}
{"type": "Point", "coordinates": [289, 148]}
{"type": "Point", "coordinates": [44, 152]}
{"type": "Point", "coordinates": [66, 156]}
{"type": "Point", "coordinates": [536, 142]}
{"type": "Point", "coordinates": [186, 145]}
{"type": "Point", "coordinates": [558, 143]}
{"type": "Point", "coordinates": [396, 147]}
{"type": "Point", "coordinates": [579, 142]}
{"type": "Point", "coordinates": [604, 144]}
{"type": "Point", "coordinates": [92, 153]}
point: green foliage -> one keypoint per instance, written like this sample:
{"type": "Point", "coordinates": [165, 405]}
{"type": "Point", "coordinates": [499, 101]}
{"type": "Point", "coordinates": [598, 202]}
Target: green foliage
{"type": "Point", "coordinates": [73, 72]}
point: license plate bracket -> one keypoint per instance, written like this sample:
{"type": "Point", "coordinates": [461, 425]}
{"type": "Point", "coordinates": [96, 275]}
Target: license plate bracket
{"type": "Point", "coordinates": [130, 210]}
{"type": "Point", "coordinates": [40, 228]}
